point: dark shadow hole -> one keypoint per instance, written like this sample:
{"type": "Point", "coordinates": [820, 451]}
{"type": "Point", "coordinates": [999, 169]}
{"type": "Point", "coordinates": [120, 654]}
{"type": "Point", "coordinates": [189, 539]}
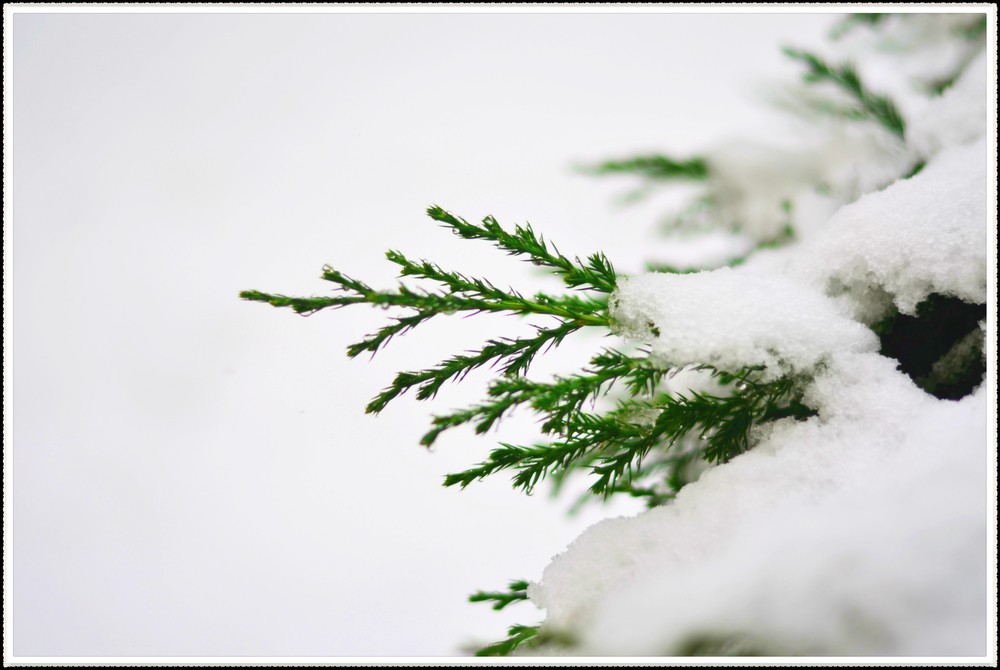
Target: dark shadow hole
{"type": "Point", "coordinates": [941, 348]}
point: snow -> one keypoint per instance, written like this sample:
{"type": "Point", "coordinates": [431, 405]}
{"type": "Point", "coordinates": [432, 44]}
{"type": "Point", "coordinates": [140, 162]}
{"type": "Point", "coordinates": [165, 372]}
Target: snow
{"type": "Point", "coordinates": [920, 236]}
{"type": "Point", "coordinates": [908, 54]}
{"type": "Point", "coordinates": [957, 116]}
{"type": "Point", "coordinates": [862, 530]}
{"type": "Point", "coordinates": [731, 319]}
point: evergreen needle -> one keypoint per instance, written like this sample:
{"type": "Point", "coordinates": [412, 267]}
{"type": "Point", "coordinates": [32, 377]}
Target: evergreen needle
{"type": "Point", "coordinates": [516, 636]}
{"type": "Point", "coordinates": [516, 591]}
{"type": "Point", "coordinates": [654, 167]}
{"type": "Point", "coordinates": [845, 77]}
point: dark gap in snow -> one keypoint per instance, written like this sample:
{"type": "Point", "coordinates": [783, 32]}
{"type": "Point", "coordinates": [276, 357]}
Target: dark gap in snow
{"type": "Point", "coordinates": [941, 348]}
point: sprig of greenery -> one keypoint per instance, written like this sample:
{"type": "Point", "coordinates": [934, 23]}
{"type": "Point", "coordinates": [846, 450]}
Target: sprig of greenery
{"type": "Point", "coordinates": [513, 355]}
{"type": "Point", "coordinates": [723, 425]}
{"type": "Point", "coordinates": [459, 293]}
{"type": "Point", "coordinates": [616, 444]}
{"type": "Point", "coordinates": [557, 401]}
{"type": "Point", "coordinates": [869, 105]}
{"type": "Point", "coordinates": [976, 30]}
{"type": "Point", "coordinates": [596, 273]}
{"type": "Point", "coordinates": [462, 295]}
{"type": "Point", "coordinates": [655, 480]}
{"type": "Point", "coordinates": [652, 495]}
{"type": "Point", "coordinates": [516, 591]}
{"type": "Point", "coordinates": [612, 445]}
{"type": "Point", "coordinates": [656, 167]}
{"type": "Point", "coordinates": [517, 635]}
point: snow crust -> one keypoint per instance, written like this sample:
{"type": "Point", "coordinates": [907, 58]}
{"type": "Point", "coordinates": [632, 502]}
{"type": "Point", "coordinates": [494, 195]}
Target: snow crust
{"type": "Point", "coordinates": [861, 531]}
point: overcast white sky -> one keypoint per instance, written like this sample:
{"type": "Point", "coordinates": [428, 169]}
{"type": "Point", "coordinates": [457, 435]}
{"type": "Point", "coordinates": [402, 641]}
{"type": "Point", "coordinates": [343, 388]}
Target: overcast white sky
{"type": "Point", "coordinates": [194, 474]}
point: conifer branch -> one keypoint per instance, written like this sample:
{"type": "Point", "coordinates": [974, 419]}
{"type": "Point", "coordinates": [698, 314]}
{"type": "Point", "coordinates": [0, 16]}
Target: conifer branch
{"type": "Point", "coordinates": [616, 445]}
{"type": "Point", "coordinates": [596, 273]}
{"type": "Point", "coordinates": [556, 401]}
{"type": "Point", "coordinates": [531, 463]}
{"type": "Point", "coordinates": [654, 167]}
{"type": "Point", "coordinates": [514, 355]}
{"type": "Point", "coordinates": [516, 636]}
{"type": "Point", "coordinates": [870, 105]}
{"type": "Point", "coordinates": [459, 293]}
{"type": "Point", "coordinates": [722, 424]}
{"type": "Point", "coordinates": [463, 295]}
{"type": "Point", "coordinates": [516, 591]}
{"type": "Point", "coordinates": [655, 480]}
{"type": "Point", "coordinates": [653, 496]}
{"type": "Point", "coordinates": [975, 31]}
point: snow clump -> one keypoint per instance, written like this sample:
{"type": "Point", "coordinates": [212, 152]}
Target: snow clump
{"type": "Point", "coordinates": [920, 236]}
{"type": "Point", "coordinates": [730, 319]}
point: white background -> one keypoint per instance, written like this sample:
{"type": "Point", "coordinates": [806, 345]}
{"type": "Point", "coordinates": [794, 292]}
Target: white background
{"type": "Point", "coordinates": [194, 474]}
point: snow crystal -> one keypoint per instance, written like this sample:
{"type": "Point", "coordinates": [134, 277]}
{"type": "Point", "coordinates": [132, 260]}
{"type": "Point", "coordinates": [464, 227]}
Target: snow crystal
{"type": "Point", "coordinates": [920, 236]}
{"type": "Point", "coordinates": [821, 540]}
{"type": "Point", "coordinates": [732, 319]}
